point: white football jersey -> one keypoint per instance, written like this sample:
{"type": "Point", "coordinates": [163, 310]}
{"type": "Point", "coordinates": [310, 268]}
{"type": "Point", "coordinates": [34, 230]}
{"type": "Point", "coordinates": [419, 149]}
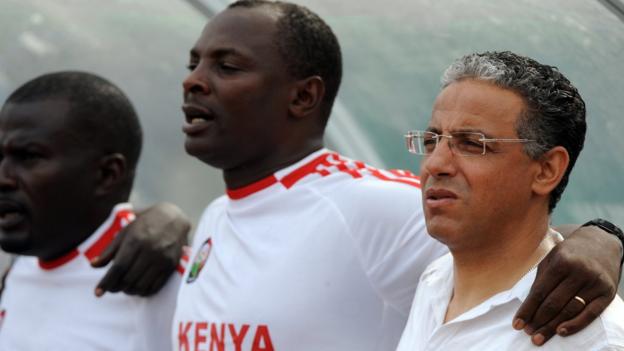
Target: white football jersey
{"type": "Point", "coordinates": [322, 255]}
{"type": "Point", "coordinates": [51, 306]}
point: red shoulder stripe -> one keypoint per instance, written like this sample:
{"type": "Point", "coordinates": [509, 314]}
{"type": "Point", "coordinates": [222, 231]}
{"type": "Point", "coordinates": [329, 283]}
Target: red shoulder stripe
{"type": "Point", "coordinates": [324, 165]}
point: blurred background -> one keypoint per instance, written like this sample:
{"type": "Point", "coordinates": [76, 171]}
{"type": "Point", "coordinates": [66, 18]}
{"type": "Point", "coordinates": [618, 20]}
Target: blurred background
{"type": "Point", "coordinates": [394, 52]}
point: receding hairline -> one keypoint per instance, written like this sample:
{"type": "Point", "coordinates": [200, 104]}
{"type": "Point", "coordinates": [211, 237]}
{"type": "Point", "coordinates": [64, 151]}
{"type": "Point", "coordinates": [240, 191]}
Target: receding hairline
{"type": "Point", "coordinates": [273, 16]}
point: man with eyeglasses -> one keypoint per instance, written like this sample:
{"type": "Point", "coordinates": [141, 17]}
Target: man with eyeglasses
{"type": "Point", "coordinates": [504, 135]}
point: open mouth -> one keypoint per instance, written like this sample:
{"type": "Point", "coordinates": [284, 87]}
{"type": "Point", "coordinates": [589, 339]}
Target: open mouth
{"type": "Point", "coordinates": [198, 119]}
{"type": "Point", "coordinates": [11, 214]}
{"type": "Point", "coordinates": [197, 114]}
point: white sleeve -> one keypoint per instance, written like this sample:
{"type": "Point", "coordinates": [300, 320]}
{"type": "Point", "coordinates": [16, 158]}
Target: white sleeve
{"type": "Point", "coordinates": [156, 317]}
{"type": "Point", "coordinates": [389, 229]}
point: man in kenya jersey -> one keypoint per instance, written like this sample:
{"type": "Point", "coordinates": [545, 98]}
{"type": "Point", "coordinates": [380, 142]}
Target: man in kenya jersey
{"type": "Point", "coordinates": [70, 142]}
{"type": "Point", "coordinates": [323, 255]}
{"type": "Point", "coordinates": [308, 250]}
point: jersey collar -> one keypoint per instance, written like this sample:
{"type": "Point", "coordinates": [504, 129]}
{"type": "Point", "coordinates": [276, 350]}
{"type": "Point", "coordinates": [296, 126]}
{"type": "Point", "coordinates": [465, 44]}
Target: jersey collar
{"type": "Point", "coordinates": [279, 176]}
{"type": "Point", "coordinates": [120, 216]}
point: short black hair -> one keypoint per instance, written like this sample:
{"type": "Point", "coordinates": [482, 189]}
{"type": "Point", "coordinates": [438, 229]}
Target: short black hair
{"type": "Point", "coordinates": [555, 113]}
{"type": "Point", "coordinates": [307, 45]}
{"type": "Point", "coordinates": [107, 119]}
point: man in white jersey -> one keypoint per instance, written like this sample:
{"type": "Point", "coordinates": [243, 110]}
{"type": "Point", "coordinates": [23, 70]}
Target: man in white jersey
{"type": "Point", "coordinates": [308, 250]}
{"type": "Point", "coordinates": [70, 142]}
{"type": "Point", "coordinates": [503, 137]}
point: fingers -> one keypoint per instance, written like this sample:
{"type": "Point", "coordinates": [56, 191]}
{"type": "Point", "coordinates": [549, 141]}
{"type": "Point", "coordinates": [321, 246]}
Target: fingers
{"type": "Point", "coordinates": [142, 285]}
{"type": "Point", "coordinates": [587, 315]}
{"type": "Point", "coordinates": [572, 308]}
{"type": "Point", "coordinates": [545, 282]}
{"type": "Point", "coordinates": [109, 252]}
{"type": "Point", "coordinates": [157, 283]}
{"type": "Point", "coordinates": [554, 304]}
{"type": "Point", "coordinates": [113, 280]}
{"type": "Point", "coordinates": [132, 282]}
{"type": "Point", "coordinates": [146, 252]}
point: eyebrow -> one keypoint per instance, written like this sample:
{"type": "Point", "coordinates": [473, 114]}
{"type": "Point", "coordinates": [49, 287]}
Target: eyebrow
{"type": "Point", "coordinates": [23, 143]}
{"type": "Point", "coordinates": [433, 130]}
{"type": "Point", "coordinates": [461, 130]}
{"type": "Point", "coordinates": [218, 53]}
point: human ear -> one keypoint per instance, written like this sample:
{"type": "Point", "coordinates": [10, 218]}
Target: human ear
{"type": "Point", "coordinates": [551, 168]}
{"type": "Point", "coordinates": [307, 96]}
{"type": "Point", "coordinates": [112, 170]}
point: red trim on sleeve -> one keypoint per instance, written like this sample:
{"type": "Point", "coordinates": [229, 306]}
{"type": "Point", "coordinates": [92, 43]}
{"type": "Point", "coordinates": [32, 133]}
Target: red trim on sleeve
{"type": "Point", "coordinates": [47, 265]}
{"type": "Point", "coordinates": [184, 260]}
{"type": "Point", "coordinates": [247, 190]}
{"type": "Point", "coordinates": [415, 182]}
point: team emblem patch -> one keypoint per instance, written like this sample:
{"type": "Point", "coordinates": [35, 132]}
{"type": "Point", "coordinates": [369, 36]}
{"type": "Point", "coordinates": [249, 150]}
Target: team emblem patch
{"type": "Point", "coordinates": [200, 260]}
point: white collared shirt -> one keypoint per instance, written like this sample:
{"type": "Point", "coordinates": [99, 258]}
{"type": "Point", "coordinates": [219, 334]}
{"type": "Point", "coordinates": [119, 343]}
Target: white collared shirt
{"type": "Point", "coordinates": [488, 325]}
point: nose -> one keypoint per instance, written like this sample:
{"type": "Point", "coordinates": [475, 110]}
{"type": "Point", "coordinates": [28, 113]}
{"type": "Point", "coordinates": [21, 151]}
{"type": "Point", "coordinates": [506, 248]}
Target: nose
{"type": "Point", "coordinates": [7, 179]}
{"type": "Point", "coordinates": [196, 82]}
{"type": "Point", "coordinates": [441, 162]}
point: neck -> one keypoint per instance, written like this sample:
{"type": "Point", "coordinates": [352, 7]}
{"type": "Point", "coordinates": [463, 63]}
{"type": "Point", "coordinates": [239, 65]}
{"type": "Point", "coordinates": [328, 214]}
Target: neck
{"type": "Point", "coordinates": [481, 273]}
{"type": "Point", "coordinates": [84, 225]}
{"type": "Point", "coordinates": [261, 168]}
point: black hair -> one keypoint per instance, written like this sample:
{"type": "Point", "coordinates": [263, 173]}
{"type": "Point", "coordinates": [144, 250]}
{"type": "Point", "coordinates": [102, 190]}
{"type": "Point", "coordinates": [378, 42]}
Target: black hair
{"type": "Point", "coordinates": [106, 118]}
{"type": "Point", "coordinates": [307, 45]}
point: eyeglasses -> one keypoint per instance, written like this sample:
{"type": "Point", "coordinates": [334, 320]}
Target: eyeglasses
{"type": "Point", "coordinates": [421, 142]}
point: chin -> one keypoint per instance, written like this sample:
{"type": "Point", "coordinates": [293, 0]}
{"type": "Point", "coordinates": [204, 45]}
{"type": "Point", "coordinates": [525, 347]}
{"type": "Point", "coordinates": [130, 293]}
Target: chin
{"type": "Point", "coordinates": [443, 230]}
{"type": "Point", "coordinates": [212, 161]}
{"type": "Point", "coordinates": [195, 147]}
{"type": "Point", "coordinates": [206, 154]}
{"type": "Point", "coordinates": [15, 244]}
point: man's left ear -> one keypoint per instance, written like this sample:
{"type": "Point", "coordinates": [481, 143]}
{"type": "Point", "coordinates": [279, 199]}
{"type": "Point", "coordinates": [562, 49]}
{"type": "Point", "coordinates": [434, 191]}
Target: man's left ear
{"type": "Point", "coordinates": [552, 167]}
{"type": "Point", "coordinates": [307, 96]}
{"type": "Point", "coordinates": [112, 170]}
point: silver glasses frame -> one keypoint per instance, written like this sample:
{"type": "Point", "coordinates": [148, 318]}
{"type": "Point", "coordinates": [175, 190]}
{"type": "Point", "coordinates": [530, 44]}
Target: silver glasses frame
{"type": "Point", "coordinates": [415, 146]}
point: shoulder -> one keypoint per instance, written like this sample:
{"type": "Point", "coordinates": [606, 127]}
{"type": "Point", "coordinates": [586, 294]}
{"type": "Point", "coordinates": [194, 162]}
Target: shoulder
{"type": "Point", "coordinates": [215, 207]}
{"type": "Point", "coordinates": [605, 333]}
{"type": "Point", "coordinates": [612, 323]}
{"type": "Point", "coordinates": [361, 190]}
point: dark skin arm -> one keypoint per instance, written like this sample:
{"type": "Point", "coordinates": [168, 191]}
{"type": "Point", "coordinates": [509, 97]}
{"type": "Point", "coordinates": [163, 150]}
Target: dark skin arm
{"type": "Point", "coordinates": [145, 253]}
{"type": "Point", "coordinates": [586, 264]}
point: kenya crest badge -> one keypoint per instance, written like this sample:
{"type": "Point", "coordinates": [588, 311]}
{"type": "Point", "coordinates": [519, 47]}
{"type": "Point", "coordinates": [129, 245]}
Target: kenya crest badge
{"type": "Point", "coordinates": [200, 260]}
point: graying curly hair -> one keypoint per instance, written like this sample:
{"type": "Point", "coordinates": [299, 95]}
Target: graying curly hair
{"type": "Point", "coordinates": [555, 111]}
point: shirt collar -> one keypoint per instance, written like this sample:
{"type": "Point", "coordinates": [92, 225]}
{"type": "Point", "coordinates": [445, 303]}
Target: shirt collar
{"type": "Point", "coordinates": [120, 216]}
{"type": "Point", "coordinates": [286, 176]}
{"type": "Point", "coordinates": [518, 292]}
